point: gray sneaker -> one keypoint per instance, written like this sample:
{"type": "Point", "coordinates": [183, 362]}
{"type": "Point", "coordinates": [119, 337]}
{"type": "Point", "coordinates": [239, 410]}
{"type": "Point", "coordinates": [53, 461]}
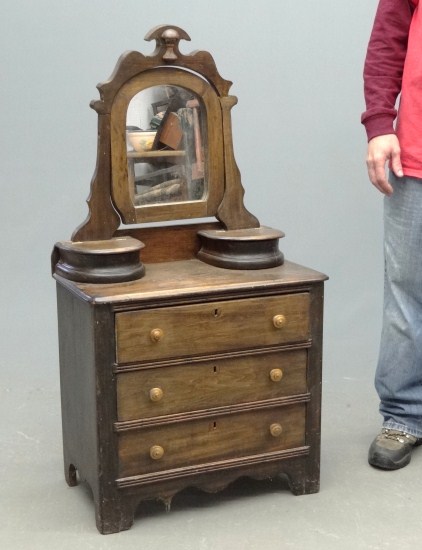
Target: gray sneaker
{"type": "Point", "coordinates": [392, 449]}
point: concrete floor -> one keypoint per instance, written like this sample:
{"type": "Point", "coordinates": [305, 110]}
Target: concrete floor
{"type": "Point", "coordinates": [358, 508]}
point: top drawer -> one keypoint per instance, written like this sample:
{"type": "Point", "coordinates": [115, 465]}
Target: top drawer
{"type": "Point", "coordinates": [198, 329]}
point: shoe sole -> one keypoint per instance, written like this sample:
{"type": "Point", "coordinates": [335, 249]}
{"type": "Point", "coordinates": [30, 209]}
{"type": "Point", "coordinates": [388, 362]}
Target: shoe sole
{"type": "Point", "coordinates": [383, 463]}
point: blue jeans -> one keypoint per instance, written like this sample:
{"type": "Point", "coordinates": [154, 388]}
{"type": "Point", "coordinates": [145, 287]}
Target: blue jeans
{"type": "Point", "coordinates": [398, 378]}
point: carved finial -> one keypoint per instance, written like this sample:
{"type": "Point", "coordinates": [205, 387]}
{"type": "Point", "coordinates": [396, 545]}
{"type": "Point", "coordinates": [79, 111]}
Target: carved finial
{"type": "Point", "coordinates": [167, 39]}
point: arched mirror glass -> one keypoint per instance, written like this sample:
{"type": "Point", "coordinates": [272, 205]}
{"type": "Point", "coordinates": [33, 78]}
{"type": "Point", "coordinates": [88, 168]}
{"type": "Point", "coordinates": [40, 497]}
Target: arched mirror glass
{"type": "Point", "coordinates": [166, 147]}
{"type": "Point", "coordinates": [166, 139]}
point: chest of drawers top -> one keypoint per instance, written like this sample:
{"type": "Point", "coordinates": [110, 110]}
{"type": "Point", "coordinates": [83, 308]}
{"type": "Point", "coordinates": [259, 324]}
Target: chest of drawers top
{"type": "Point", "coordinates": [173, 282]}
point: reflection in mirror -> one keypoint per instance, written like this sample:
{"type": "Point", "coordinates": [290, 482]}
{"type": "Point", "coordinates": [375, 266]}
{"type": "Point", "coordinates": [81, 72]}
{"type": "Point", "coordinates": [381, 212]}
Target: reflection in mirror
{"type": "Point", "coordinates": [166, 139]}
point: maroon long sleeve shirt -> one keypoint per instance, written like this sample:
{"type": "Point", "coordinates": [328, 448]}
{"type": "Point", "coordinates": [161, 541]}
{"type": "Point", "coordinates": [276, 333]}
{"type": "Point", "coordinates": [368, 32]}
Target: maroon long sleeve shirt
{"type": "Point", "coordinates": [393, 66]}
{"type": "Point", "coordinates": [384, 65]}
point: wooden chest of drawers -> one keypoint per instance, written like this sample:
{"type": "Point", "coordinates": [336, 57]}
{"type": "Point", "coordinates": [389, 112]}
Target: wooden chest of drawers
{"type": "Point", "coordinates": [192, 376]}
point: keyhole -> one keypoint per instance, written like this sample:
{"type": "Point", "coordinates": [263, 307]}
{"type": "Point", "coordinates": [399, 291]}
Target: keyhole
{"type": "Point", "coordinates": [215, 368]}
{"type": "Point", "coordinates": [217, 312]}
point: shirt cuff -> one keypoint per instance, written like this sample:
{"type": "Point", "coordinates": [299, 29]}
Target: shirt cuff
{"type": "Point", "coordinates": [379, 125]}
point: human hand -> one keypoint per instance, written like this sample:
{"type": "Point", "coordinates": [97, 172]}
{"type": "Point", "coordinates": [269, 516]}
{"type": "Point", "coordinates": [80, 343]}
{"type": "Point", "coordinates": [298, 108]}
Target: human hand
{"type": "Point", "coordinates": [382, 149]}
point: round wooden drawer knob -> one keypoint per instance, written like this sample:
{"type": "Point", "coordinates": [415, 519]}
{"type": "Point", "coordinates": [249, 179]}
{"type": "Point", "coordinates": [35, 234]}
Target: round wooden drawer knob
{"type": "Point", "coordinates": [276, 430]}
{"type": "Point", "coordinates": [276, 375]}
{"type": "Point", "coordinates": [156, 334]}
{"type": "Point", "coordinates": [279, 321]}
{"type": "Point", "coordinates": [156, 452]}
{"type": "Point", "coordinates": [156, 394]}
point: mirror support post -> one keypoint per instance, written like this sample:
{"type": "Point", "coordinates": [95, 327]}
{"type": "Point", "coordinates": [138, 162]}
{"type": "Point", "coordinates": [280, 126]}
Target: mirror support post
{"type": "Point", "coordinates": [102, 220]}
{"type": "Point", "coordinates": [232, 212]}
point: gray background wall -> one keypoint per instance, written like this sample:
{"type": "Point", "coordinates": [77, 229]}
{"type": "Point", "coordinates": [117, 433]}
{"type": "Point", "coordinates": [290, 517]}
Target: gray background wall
{"type": "Point", "coordinates": [296, 68]}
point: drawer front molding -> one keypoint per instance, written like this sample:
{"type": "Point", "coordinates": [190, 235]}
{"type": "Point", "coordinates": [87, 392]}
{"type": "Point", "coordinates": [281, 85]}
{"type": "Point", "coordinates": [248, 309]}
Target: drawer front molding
{"type": "Point", "coordinates": [210, 413]}
{"type": "Point", "coordinates": [179, 473]}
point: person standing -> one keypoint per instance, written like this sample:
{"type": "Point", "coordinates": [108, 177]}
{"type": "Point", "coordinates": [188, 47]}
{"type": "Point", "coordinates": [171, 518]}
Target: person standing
{"type": "Point", "coordinates": [393, 68]}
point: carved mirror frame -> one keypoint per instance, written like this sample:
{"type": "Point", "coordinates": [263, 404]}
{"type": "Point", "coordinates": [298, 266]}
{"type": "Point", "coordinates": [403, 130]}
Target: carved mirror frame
{"type": "Point", "coordinates": [110, 202]}
{"type": "Point", "coordinates": [213, 151]}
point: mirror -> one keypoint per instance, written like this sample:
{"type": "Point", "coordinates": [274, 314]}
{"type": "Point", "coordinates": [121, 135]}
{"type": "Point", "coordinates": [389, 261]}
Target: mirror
{"type": "Point", "coordinates": [166, 138]}
{"type": "Point", "coordinates": [166, 147]}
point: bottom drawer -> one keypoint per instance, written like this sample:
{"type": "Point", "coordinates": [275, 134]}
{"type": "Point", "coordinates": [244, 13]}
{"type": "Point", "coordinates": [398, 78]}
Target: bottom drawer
{"type": "Point", "coordinates": [176, 445]}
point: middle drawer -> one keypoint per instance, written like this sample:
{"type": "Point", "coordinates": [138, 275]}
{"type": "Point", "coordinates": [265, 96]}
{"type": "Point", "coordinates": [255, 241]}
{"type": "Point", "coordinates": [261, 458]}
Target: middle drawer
{"type": "Point", "coordinates": [167, 390]}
